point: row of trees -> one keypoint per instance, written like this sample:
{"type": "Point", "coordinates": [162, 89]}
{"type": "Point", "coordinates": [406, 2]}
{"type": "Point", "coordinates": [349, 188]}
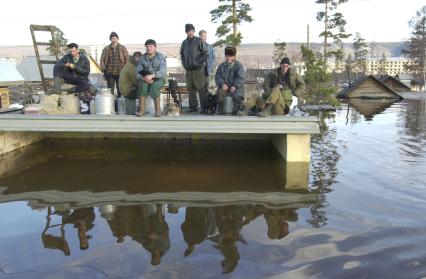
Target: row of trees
{"type": "Point", "coordinates": [231, 13]}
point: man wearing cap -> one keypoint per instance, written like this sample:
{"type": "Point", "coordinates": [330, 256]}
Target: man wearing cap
{"type": "Point", "coordinates": [194, 54]}
{"type": "Point", "coordinates": [113, 58]}
{"type": "Point", "coordinates": [230, 79]}
{"type": "Point", "coordinates": [73, 68]}
{"type": "Point", "coordinates": [151, 73]}
{"type": "Point", "coordinates": [279, 87]}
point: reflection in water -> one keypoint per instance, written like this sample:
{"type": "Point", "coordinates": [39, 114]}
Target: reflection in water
{"type": "Point", "coordinates": [81, 218]}
{"type": "Point", "coordinates": [371, 225]}
{"type": "Point", "coordinates": [220, 188]}
{"type": "Point", "coordinates": [370, 107]}
{"type": "Point", "coordinates": [325, 155]}
{"type": "Point", "coordinates": [146, 224]}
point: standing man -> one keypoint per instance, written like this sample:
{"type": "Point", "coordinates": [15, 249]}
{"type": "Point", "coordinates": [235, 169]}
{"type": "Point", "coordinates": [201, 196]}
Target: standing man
{"type": "Point", "coordinates": [230, 80]}
{"type": "Point", "coordinates": [113, 58]}
{"type": "Point", "coordinates": [211, 55]}
{"type": "Point", "coordinates": [279, 87]}
{"type": "Point", "coordinates": [193, 54]}
{"type": "Point", "coordinates": [73, 68]}
{"type": "Point", "coordinates": [151, 73]}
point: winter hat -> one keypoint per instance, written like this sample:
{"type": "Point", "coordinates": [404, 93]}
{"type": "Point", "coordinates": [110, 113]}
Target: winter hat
{"type": "Point", "coordinates": [230, 51]}
{"type": "Point", "coordinates": [285, 60]}
{"type": "Point", "coordinates": [150, 42]}
{"type": "Point", "coordinates": [113, 34]}
{"type": "Point", "coordinates": [189, 27]}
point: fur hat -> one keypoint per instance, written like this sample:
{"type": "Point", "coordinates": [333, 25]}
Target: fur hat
{"type": "Point", "coordinates": [285, 60]}
{"type": "Point", "coordinates": [189, 27]}
{"type": "Point", "coordinates": [113, 34]}
{"type": "Point", "coordinates": [230, 51]}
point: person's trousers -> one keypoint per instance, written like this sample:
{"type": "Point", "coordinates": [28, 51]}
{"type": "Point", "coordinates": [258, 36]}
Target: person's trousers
{"type": "Point", "coordinates": [59, 71]}
{"type": "Point", "coordinates": [196, 81]}
{"type": "Point", "coordinates": [276, 98]}
{"type": "Point", "coordinates": [112, 81]}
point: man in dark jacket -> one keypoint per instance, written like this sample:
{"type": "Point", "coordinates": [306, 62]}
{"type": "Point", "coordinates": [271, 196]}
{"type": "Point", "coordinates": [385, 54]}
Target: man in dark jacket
{"type": "Point", "coordinates": [113, 58]}
{"type": "Point", "coordinates": [279, 87]}
{"type": "Point", "coordinates": [73, 68]}
{"type": "Point", "coordinates": [193, 54]}
{"type": "Point", "coordinates": [230, 79]}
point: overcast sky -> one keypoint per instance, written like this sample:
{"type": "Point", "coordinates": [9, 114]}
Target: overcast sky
{"type": "Point", "coordinates": [91, 21]}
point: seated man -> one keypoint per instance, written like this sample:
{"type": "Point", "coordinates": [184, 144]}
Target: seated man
{"type": "Point", "coordinates": [279, 86]}
{"type": "Point", "coordinates": [230, 79]}
{"type": "Point", "coordinates": [73, 68]}
{"type": "Point", "coordinates": [151, 73]}
{"type": "Point", "coordinates": [128, 83]}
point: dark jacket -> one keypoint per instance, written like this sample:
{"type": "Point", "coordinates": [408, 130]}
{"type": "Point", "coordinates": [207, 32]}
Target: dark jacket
{"type": "Point", "coordinates": [82, 66]}
{"type": "Point", "coordinates": [193, 53]}
{"type": "Point", "coordinates": [232, 76]}
{"type": "Point", "coordinates": [292, 79]}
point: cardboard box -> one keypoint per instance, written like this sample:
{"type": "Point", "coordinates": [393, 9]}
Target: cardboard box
{"type": "Point", "coordinates": [4, 98]}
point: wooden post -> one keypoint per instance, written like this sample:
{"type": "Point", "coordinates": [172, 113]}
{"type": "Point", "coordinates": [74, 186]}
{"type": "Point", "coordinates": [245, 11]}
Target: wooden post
{"type": "Point", "coordinates": [38, 58]}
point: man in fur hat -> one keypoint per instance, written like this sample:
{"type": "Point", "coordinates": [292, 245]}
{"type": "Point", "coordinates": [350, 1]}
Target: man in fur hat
{"type": "Point", "coordinates": [230, 79]}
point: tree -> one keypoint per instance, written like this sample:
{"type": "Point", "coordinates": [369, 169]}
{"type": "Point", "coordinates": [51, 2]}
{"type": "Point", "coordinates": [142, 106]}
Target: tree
{"type": "Point", "coordinates": [382, 65]}
{"type": "Point", "coordinates": [60, 46]}
{"type": "Point", "coordinates": [360, 49]}
{"type": "Point", "coordinates": [334, 27]}
{"type": "Point", "coordinates": [232, 13]}
{"type": "Point", "coordinates": [280, 51]}
{"type": "Point", "coordinates": [416, 46]}
{"type": "Point", "coordinates": [317, 80]}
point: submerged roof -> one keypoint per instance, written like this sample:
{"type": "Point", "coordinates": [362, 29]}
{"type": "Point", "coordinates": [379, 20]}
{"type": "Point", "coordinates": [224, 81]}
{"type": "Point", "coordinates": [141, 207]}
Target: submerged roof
{"type": "Point", "coordinates": [398, 81]}
{"type": "Point", "coordinates": [344, 93]}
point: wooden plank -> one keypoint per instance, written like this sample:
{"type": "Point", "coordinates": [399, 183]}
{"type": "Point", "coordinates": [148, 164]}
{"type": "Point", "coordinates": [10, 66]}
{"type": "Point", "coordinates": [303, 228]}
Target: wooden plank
{"type": "Point", "coordinates": [40, 67]}
{"type": "Point", "coordinates": [35, 27]}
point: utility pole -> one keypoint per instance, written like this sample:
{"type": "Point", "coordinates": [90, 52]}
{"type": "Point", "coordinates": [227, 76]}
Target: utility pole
{"type": "Point", "coordinates": [307, 37]}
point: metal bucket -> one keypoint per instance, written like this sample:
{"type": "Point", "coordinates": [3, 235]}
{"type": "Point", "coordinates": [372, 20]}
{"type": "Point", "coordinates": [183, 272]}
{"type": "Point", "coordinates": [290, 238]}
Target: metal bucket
{"type": "Point", "coordinates": [228, 104]}
{"type": "Point", "coordinates": [104, 102]}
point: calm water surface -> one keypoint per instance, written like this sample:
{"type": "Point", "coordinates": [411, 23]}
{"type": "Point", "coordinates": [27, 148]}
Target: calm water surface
{"type": "Point", "coordinates": [190, 209]}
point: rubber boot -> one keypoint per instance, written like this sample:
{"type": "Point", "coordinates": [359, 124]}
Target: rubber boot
{"type": "Point", "coordinates": [142, 101]}
{"type": "Point", "coordinates": [237, 105]}
{"type": "Point", "coordinates": [219, 110]}
{"type": "Point", "coordinates": [157, 107]}
{"type": "Point", "coordinates": [57, 83]}
{"type": "Point", "coordinates": [244, 110]}
{"type": "Point", "coordinates": [267, 111]}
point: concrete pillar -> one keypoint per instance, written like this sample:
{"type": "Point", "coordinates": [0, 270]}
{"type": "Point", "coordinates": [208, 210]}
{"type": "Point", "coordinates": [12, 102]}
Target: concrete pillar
{"type": "Point", "coordinates": [296, 176]}
{"type": "Point", "coordinates": [293, 147]}
{"type": "Point", "coordinates": [10, 141]}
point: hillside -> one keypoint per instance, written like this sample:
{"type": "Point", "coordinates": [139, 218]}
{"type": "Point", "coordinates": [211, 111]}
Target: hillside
{"type": "Point", "coordinates": [252, 55]}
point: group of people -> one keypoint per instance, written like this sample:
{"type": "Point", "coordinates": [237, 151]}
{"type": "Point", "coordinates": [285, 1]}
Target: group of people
{"type": "Point", "coordinates": [142, 75]}
{"type": "Point", "coordinates": [146, 224]}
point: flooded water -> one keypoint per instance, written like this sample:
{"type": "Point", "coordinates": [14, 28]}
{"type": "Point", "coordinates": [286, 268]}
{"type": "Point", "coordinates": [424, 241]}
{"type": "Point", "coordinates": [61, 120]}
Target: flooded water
{"type": "Point", "coordinates": [213, 209]}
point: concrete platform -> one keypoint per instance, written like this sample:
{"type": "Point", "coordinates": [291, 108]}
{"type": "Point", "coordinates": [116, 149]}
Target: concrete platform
{"type": "Point", "coordinates": [290, 135]}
